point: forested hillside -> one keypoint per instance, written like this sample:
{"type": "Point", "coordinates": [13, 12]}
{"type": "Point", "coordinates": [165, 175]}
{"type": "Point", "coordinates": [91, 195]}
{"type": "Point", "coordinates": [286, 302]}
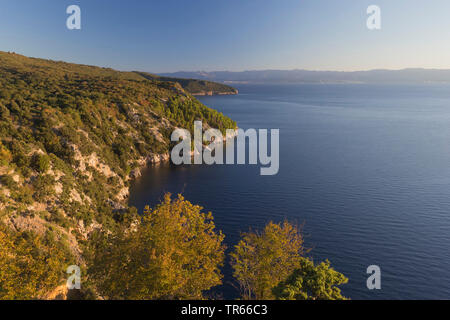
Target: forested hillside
{"type": "Point", "coordinates": [194, 86]}
{"type": "Point", "coordinates": [71, 138]}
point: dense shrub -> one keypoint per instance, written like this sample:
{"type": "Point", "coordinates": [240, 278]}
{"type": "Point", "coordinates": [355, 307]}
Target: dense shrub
{"type": "Point", "coordinates": [30, 265]}
{"type": "Point", "coordinates": [41, 162]}
{"type": "Point", "coordinates": [262, 259]}
{"type": "Point", "coordinates": [174, 253]}
{"type": "Point", "coordinates": [311, 282]}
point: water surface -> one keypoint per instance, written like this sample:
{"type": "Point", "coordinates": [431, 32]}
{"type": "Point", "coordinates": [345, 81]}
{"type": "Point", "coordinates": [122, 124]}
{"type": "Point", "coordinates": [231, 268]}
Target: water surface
{"type": "Point", "coordinates": [365, 167]}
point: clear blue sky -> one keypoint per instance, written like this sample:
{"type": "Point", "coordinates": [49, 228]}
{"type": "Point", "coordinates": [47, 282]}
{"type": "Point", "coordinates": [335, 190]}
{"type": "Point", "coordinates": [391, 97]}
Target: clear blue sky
{"type": "Point", "coordinates": [173, 35]}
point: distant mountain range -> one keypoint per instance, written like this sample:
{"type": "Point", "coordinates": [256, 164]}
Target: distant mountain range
{"type": "Point", "coordinates": [305, 76]}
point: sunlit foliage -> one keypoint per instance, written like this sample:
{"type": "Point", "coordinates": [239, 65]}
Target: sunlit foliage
{"type": "Point", "coordinates": [30, 265]}
{"type": "Point", "coordinates": [311, 282]}
{"type": "Point", "coordinates": [173, 253]}
{"type": "Point", "coordinates": [262, 259]}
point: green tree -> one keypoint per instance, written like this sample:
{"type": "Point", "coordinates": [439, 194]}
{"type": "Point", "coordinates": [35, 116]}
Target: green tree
{"type": "Point", "coordinates": [311, 282]}
{"type": "Point", "coordinates": [41, 162]}
{"type": "Point", "coordinates": [30, 265]}
{"type": "Point", "coordinates": [173, 253]}
{"type": "Point", "coordinates": [262, 259]}
{"type": "Point", "coordinates": [5, 155]}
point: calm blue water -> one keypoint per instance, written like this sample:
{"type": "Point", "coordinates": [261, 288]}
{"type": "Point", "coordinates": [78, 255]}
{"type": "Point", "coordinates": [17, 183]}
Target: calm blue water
{"type": "Point", "coordinates": [366, 168]}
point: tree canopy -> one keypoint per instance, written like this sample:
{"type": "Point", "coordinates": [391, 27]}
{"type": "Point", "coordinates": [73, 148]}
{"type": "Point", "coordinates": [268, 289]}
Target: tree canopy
{"type": "Point", "coordinates": [262, 259]}
{"type": "Point", "coordinates": [311, 282]}
{"type": "Point", "coordinates": [30, 265]}
{"type": "Point", "coordinates": [173, 253]}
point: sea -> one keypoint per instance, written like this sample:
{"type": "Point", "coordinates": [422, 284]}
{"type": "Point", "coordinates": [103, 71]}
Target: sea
{"type": "Point", "coordinates": [364, 169]}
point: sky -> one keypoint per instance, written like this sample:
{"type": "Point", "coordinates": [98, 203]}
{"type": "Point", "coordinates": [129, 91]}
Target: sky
{"type": "Point", "coordinates": [234, 35]}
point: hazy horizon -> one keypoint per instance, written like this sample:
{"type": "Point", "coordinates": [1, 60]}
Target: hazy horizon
{"type": "Point", "coordinates": [307, 70]}
{"type": "Point", "coordinates": [231, 71]}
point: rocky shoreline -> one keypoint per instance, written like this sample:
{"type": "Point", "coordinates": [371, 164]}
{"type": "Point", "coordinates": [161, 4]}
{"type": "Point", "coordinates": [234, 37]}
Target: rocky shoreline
{"type": "Point", "coordinates": [155, 158]}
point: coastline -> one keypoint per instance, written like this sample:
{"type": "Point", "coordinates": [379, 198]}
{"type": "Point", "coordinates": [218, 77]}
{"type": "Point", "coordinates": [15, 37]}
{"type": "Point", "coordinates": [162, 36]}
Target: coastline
{"type": "Point", "coordinates": [216, 93]}
{"type": "Point", "coordinates": [157, 158]}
